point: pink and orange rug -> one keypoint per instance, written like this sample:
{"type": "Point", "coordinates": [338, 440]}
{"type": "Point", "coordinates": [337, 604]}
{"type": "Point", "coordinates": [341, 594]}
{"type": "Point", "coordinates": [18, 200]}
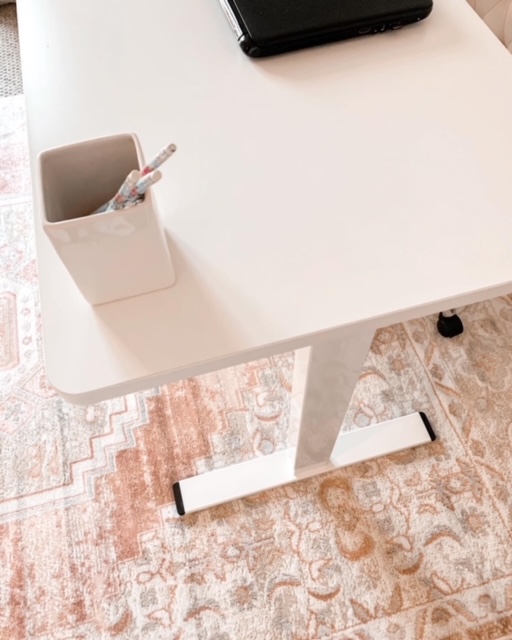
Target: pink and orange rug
{"type": "Point", "coordinates": [416, 546]}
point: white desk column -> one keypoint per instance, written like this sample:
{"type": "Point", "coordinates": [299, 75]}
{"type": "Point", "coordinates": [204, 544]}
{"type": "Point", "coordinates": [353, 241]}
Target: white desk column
{"type": "Point", "coordinates": [325, 376]}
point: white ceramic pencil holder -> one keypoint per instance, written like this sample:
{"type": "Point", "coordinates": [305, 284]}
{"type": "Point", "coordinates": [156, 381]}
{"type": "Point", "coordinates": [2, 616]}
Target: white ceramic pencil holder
{"type": "Point", "coordinates": [111, 255]}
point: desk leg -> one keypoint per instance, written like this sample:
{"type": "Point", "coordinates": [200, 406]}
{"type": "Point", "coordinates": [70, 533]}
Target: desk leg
{"type": "Point", "coordinates": [325, 376]}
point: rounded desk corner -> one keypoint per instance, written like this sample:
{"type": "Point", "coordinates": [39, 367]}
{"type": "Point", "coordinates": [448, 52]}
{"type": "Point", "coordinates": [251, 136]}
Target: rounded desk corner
{"type": "Point", "coordinates": [83, 398]}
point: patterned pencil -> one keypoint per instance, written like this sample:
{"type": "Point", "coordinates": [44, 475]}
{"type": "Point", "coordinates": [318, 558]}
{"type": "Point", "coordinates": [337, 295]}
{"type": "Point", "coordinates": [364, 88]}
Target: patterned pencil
{"type": "Point", "coordinates": [163, 155]}
{"type": "Point", "coordinates": [122, 194]}
{"type": "Point", "coordinates": [136, 195]}
{"type": "Point", "coordinates": [121, 197]}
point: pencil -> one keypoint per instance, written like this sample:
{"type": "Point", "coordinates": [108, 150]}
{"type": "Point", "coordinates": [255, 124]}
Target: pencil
{"type": "Point", "coordinates": [163, 155]}
{"type": "Point", "coordinates": [122, 193]}
{"type": "Point", "coordinates": [127, 187]}
{"type": "Point", "coordinates": [136, 195]}
{"type": "Point", "coordinates": [144, 183]}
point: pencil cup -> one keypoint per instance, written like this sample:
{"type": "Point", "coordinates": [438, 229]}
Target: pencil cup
{"type": "Point", "coordinates": [111, 255]}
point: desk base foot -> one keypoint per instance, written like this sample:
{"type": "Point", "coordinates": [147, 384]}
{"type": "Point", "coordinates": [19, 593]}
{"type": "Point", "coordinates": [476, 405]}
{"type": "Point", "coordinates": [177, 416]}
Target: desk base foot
{"type": "Point", "coordinates": [275, 470]}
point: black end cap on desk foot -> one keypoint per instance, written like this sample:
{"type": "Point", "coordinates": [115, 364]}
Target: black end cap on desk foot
{"type": "Point", "coordinates": [428, 426]}
{"type": "Point", "coordinates": [178, 498]}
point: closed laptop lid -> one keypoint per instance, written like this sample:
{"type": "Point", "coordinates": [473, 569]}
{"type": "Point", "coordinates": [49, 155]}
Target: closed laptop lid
{"type": "Point", "coordinates": [271, 21]}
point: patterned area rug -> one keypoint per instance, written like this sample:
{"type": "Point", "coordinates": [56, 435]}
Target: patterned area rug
{"type": "Point", "coordinates": [11, 82]}
{"type": "Point", "coordinates": [415, 546]}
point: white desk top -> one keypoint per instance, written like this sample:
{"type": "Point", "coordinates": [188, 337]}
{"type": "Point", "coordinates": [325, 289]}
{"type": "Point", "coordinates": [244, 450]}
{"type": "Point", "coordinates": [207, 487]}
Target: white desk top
{"type": "Point", "coordinates": [364, 182]}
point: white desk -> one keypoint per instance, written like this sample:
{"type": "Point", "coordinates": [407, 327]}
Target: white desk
{"type": "Point", "coordinates": [314, 197]}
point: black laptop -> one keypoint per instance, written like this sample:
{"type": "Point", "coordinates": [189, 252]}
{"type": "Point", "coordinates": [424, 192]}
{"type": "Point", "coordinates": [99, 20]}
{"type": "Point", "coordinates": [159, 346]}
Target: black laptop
{"type": "Point", "coordinates": [269, 27]}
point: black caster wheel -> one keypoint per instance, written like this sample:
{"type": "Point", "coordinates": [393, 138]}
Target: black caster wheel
{"type": "Point", "coordinates": [449, 326]}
